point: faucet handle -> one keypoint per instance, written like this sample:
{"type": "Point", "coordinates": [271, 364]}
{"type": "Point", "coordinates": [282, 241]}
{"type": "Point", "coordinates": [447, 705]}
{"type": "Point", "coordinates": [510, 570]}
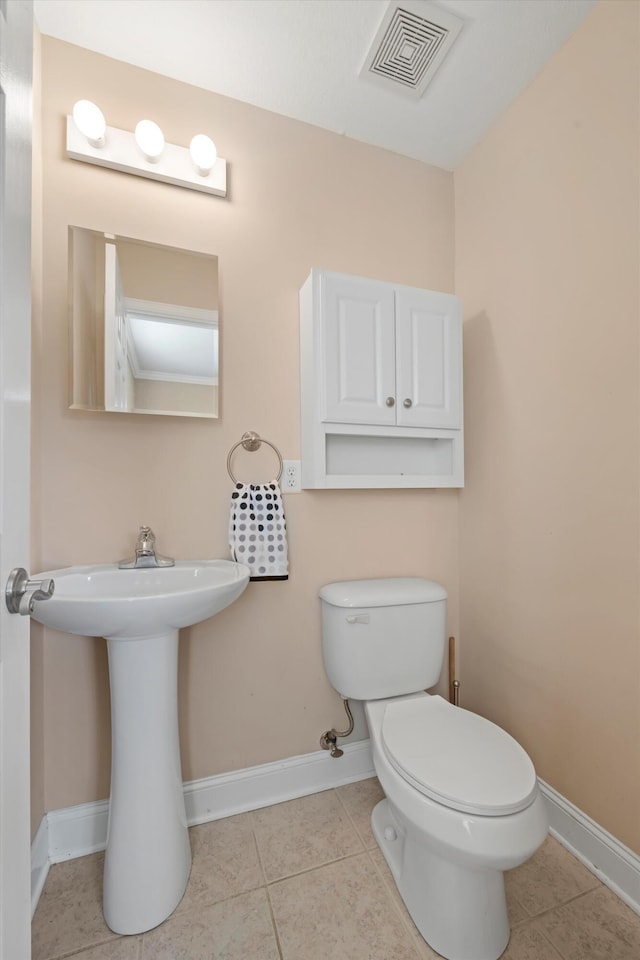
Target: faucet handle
{"type": "Point", "coordinates": [145, 553]}
{"type": "Point", "coordinates": [146, 539]}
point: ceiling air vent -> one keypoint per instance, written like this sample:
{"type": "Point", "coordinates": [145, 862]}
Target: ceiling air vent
{"type": "Point", "coordinates": [411, 43]}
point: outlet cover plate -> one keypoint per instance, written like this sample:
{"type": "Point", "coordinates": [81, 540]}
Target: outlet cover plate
{"type": "Point", "coordinates": [290, 480]}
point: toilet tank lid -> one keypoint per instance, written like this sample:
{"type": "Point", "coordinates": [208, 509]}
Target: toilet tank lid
{"type": "Point", "coordinates": [382, 593]}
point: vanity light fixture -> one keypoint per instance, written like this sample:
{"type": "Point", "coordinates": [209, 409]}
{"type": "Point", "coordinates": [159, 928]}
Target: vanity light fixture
{"type": "Point", "coordinates": [89, 119]}
{"type": "Point", "coordinates": [145, 152]}
{"type": "Point", "coordinates": [150, 139]}
{"type": "Point", "coordinates": [203, 153]}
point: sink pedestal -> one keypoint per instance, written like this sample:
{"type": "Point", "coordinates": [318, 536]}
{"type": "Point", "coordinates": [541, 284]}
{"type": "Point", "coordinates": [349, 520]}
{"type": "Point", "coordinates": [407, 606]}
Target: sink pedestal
{"type": "Point", "coordinates": [148, 856]}
{"type": "Point", "coordinates": [139, 611]}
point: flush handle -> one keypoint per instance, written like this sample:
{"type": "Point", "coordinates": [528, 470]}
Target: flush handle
{"type": "Point", "coordinates": [360, 618]}
{"type": "Point", "coordinates": [21, 593]}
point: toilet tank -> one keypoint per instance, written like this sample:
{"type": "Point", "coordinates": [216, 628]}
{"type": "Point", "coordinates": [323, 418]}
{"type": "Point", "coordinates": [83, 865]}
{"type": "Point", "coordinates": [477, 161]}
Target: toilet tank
{"type": "Point", "coordinates": [383, 638]}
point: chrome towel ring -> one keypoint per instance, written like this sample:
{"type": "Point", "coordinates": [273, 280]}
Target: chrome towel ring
{"type": "Point", "coordinates": [251, 441]}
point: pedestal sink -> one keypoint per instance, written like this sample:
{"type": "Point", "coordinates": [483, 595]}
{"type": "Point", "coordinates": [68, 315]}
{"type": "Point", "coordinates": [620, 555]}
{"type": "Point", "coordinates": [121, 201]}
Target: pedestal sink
{"type": "Point", "coordinates": [139, 612]}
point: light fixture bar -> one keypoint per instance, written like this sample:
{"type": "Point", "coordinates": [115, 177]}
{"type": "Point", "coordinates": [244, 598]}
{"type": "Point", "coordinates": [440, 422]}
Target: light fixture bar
{"type": "Point", "coordinates": [121, 152]}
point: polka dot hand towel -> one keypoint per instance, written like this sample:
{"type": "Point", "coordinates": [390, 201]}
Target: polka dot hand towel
{"type": "Point", "coordinates": [258, 531]}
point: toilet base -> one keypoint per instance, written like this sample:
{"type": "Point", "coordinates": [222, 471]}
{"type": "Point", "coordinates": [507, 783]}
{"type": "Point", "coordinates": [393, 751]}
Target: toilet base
{"type": "Point", "coordinates": [460, 912]}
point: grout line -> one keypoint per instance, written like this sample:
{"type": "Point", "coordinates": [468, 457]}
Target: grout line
{"type": "Point", "coordinates": [316, 866]}
{"type": "Point", "coordinates": [527, 915]}
{"type": "Point", "coordinates": [323, 863]}
{"type": "Point", "coordinates": [205, 904]}
{"type": "Point", "coordinates": [274, 925]}
{"type": "Point", "coordinates": [266, 886]}
{"type": "Point", "coordinates": [563, 903]}
{"type": "Point", "coordinates": [256, 843]}
{"type": "Point", "coordinates": [547, 940]}
{"type": "Point", "coordinates": [350, 818]}
{"type": "Point", "coordinates": [398, 905]}
{"type": "Point", "coordinates": [67, 955]}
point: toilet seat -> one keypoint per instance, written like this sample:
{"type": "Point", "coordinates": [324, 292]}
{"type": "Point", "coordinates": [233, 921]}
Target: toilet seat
{"type": "Point", "coordinates": [456, 757]}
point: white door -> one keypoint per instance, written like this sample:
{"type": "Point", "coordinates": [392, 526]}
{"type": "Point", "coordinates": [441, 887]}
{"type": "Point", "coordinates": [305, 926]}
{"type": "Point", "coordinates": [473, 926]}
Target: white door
{"type": "Point", "coordinates": [358, 346]}
{"type": "Point", "coordinates": [428, 359]}
{"type": "Point", "coordinates": [16, 44]}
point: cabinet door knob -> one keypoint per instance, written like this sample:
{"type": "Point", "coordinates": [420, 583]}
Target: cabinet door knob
{"type": "Point", "coordinates": [406, 403]}
{"type": "Point", "coordinates": [390, 401]}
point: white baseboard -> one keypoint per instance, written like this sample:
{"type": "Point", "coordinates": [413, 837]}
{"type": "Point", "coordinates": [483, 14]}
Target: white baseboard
{"type": "Point", "coordinates": [77, 831]}
{"type": "Point", "coordinates": [616, 865]}
{"type": "Point", "coordinates": [241, 790]}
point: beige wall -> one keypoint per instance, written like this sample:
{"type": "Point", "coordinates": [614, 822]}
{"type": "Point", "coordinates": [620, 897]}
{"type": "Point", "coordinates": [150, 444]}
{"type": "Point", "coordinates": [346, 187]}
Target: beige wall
{"type": "Point", "coordinates": [252, 685]}
{"type": "Point", "coordinates": [176, 396]}
{"type": "Point", "coordinates": [168, 275]}
{"type": "Point", "coordinates": [547, 259]}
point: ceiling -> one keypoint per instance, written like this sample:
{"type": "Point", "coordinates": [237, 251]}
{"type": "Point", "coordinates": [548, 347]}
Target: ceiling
{"type": "Point", "coordinates": [302, 59]}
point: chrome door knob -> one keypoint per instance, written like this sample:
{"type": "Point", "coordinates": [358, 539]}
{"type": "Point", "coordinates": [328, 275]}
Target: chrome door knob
{"type": "Point", "coordinates": [407, 403]}
{"type": "Point", "coordinates": [21, 593]}
{"type": "Point", "coordinates": [390, 401]}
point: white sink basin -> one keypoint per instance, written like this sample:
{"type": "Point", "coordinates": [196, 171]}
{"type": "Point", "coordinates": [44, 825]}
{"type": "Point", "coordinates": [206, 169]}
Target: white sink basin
{"type": "Point", "coordinates": [104, 601]}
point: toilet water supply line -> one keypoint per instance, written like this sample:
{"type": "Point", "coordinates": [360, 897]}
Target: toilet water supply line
{"type": "Point", "coordinates": [454, 685]}
{"type": "Point", "coordinates": [328, 740]}
{"type": "Point", "coordinates": [329, 737]}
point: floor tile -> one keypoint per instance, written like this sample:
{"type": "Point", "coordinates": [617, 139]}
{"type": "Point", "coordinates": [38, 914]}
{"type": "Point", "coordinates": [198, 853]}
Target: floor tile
{"type": "Point", "coordinates": [236, 929]}
{"type": "Point", "coordinates": [551, 877]}
{"type": "Point", "coordinates": [302, 834]}
{"type": "Point", "coordinates": [517, 913]}
{"type": "Point", "coordinates": [69, 914]}
{"type": "Point", "coordinates": [225, 862]}
{"type": "Point", "coordinates": [341, 910]}
{"type": "Point", "coordinates": [359, 800]}
{"type": "Point", "coordinates": [331, 898]}
{"type": "Point", "coordinates": [527, 943]}
{"type": "Point", "coordinates": [596, 926]}
{"type": "Point", "coordinates": [125, 948]}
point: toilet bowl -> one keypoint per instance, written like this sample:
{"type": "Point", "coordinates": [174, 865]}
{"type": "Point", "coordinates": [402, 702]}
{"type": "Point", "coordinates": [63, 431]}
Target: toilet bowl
{"type": "Point", "coordinates": [462, 803]}
{"type": "Point", "coordinates": [447, 858]}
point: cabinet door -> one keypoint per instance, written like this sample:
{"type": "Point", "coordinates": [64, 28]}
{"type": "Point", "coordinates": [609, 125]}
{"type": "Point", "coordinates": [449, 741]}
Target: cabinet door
{"type": "Point", "coordinates": [428, 359]}
{"type": "Point", "coordinates": [358, 350]}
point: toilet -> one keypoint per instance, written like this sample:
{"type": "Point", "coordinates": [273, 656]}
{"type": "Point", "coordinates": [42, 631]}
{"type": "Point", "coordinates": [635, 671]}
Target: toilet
{"type": "Point", "coordinates": [462, 803]}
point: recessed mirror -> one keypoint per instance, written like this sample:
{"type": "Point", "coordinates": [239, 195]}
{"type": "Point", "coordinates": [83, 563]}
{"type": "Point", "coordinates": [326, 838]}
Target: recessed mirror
{"type": "Point", "coordinates": [144, 327]}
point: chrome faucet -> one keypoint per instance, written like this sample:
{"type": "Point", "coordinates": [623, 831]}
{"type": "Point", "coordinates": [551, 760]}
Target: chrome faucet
{"type": "Point", "coordinates": [146, 555]}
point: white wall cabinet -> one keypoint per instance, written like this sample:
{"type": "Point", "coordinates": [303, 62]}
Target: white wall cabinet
{"type": "Point", "coordinates": [381, 384]}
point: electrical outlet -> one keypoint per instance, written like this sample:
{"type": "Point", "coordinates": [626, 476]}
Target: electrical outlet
{"type": "Point", "coordinates": [290, 476]}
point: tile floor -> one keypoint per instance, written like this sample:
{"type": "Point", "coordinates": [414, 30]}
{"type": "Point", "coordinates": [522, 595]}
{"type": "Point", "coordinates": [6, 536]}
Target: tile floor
{"type": "Point", "coordinates": [304, 880]}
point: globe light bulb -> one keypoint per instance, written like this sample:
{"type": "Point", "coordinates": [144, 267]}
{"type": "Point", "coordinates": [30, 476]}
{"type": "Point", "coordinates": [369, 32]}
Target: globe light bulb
{"type": "Point", "coordinates": [90, 121]}
{"type": "Point", "coordinates": [150, 139]}
{"type": "Point", "coordinates": [203, 153]}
